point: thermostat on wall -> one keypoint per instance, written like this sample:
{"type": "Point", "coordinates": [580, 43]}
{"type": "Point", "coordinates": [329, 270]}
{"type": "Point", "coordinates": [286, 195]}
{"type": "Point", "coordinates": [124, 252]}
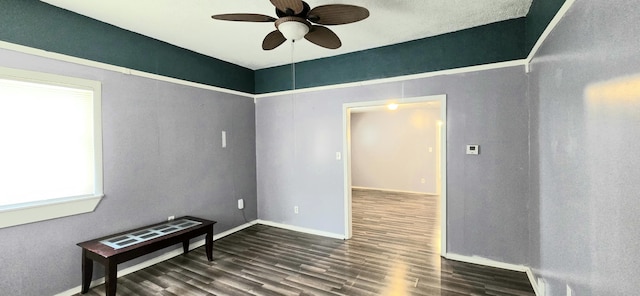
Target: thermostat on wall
{"type": "Point", "coordinates": [473, 149]}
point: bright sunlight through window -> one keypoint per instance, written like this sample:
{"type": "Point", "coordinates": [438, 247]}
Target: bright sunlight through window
{"type": "Point", "coordinates": [50, 139]}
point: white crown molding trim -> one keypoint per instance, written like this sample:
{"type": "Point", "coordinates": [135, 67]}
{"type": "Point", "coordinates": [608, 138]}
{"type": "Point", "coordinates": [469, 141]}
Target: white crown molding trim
{"type": "Point", "coordinates": [109, 67]}
{"type": "Point", "coordinates": [301, 229]}
{"type": "Point", "coordinates": [123, 70]}
{"type": "Point", "coordinates": [497, 264]}
{"type": "Point", "coordinates": [522, 62]}
{"type": "Point", "coordinates": [392, 190]}
{"type": "Point", "coordinates": [461, 70]}
{"type": "Point", "coordinates": [552, 25]}
{"type": "Point", "coordinates": [156, 260]}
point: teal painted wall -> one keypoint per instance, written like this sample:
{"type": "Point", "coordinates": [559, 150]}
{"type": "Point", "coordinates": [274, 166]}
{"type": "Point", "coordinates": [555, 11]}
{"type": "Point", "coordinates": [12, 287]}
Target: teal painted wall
{"type": "Point", "coordinates": [539, 16]}
{"type": "Point", "coordinates": [497, 42]}
{"type": "Point", "coordinates": [39, 25]}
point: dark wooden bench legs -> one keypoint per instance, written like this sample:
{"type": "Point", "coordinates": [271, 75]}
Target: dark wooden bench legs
{"type": "Point", "coordinates": [100, 251]}
{"type": "Point", "coordinates": [209, 244]}
{"type": "Point", "coordinates": [110, 277]}
{"type": "Point", "coordinates": [87, 271]}
{"type": "Point", "coordinates": [111, 267]}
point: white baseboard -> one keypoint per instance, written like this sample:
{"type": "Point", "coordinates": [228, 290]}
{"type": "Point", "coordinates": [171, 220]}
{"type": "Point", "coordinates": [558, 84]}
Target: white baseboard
{"type": "Point", "coordinates": [392, 190]}
{"type": "Point", "coordinates": [538, 289]}
{"type": "Point", "coordinates": [301, 229]}
{"type": "Point", "coordinates": [468, 259]}
{"type": "Point", "coordinates": [156, 260]}
{"type": "Point", "coordinates": [497, 264]}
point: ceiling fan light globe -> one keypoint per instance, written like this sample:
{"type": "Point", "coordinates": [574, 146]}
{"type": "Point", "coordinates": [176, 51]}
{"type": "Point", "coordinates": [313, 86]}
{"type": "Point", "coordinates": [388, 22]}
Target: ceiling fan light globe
{"type": "Point", "coordinates": [293, 30]}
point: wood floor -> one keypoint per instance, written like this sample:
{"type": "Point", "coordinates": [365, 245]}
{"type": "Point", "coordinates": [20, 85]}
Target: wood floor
{"type": "Point", "coordinates": [394, 251]}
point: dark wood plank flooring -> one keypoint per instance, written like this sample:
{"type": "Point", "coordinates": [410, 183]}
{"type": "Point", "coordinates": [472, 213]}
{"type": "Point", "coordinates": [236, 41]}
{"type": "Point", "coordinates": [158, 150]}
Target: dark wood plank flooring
{"type": "Point", "coordinates": [394, 251]}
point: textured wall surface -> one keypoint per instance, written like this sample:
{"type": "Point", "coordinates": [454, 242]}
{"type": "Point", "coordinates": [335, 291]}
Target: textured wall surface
{"type": "Point", "coordinates": [39, 25]}
{"type": "Point", "coordinates": [585, 86]}
{"type": "Point", "coordinates": [540, 14]}
{"type": "Point", "coordinates": [496, 42]}
{"type": "Point", "coordinates": [298, 135]}
{"type": "Point", "coordinates": [390, 149]}
{"type": "Point", "coordinates": [162, 156]}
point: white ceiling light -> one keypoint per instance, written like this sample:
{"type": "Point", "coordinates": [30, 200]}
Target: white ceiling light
{"type": "Point", "coordinates": [293, 28]}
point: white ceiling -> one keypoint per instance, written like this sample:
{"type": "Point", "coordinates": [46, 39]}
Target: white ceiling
{"type": "Point", "coordinates": [188, 24]}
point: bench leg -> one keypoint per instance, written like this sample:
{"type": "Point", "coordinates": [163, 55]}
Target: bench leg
{"type": "Point", "coordinates": [185, 246]}
{"type": "Point", "coordinates": [87, 272]}
{"type": "Point", "coordinates": [209, 243]}
{"type": "Point", "coordinates": [110, 278]}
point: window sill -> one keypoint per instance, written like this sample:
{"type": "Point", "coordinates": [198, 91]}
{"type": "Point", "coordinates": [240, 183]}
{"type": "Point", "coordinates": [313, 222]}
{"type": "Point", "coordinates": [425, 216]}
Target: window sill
{"type": "Point", "coordinates": [13, 215]}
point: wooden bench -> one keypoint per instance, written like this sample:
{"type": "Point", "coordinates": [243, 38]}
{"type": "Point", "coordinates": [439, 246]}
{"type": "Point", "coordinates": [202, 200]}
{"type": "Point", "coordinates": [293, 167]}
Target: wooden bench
{"type": "Point", "coordinates": [114, 249]}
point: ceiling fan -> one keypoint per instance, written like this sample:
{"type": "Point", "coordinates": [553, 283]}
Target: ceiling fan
{"type": "Point", "coordinates": [295, 18]}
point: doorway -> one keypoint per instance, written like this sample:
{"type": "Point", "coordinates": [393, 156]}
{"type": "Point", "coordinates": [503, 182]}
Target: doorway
{"type": "Point", "coordinates": [350, 108]}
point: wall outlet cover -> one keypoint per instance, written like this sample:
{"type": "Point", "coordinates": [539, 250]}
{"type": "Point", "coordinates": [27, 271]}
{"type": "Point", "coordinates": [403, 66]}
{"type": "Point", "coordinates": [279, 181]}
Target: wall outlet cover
{"type": "Point", "coordinates": [473, 149]}
{"type": "Point", "coordinates": [224, 139]}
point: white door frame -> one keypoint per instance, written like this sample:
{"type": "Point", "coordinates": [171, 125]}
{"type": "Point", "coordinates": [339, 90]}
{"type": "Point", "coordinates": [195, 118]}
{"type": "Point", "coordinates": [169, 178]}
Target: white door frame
{"type": "Point", "coordinates": [346, 135]}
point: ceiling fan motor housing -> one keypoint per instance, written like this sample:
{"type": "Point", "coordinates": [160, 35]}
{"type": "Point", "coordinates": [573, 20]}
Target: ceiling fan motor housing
{"type": "Point", "coordinates": [295, 18]}
{"type": "Point", "coordinates": [290, 12]}
{"type": "Point", "coordinates": [293, 27]}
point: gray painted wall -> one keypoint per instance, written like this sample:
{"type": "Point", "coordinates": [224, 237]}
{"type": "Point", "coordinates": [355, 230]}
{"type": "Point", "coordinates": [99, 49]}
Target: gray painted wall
{"type": "Point", "coordinates": [298, 135]}
{"type": "Point", "coordinates": [162, 156]}
{"type": "Point", "coordinates": [585, 90]}
{"type": "Point", "coordinates": [390, 149]}
{"type": "Point", "coordinates": [566, 204]}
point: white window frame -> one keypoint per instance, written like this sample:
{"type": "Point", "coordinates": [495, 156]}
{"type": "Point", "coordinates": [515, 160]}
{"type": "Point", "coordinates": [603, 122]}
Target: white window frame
{"type": "Point", "coordinates": [23, 213]}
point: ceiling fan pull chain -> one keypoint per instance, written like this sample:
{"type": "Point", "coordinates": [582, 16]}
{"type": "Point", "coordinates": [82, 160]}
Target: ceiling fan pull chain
{"type": "Point", "coordinates": [293, 66]}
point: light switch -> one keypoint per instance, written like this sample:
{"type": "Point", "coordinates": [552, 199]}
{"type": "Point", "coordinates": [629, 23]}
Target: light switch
{"type": "Point", "coordinates": [338, 155]}
{"type": "Point", "coordinates": [473, 149]}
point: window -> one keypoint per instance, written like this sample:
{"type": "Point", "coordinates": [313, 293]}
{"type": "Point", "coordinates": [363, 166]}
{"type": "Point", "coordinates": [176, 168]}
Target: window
{"type": "Point", "coordinates": [50, 146]}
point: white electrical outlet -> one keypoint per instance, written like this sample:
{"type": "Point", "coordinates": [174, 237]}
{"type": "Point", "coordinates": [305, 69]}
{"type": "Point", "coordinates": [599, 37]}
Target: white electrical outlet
{"type": "Point", "coordinates": [240, 204]}
{"type": "Point", "coordinates": [422, 180]}
{"type": "Point", "coordinates": [170, 218]}
{"type": "Point", "coordinates": [569, 291]}
{"type": "Point", "coordinates": [473, 149]}
{"type": "Point", "coordinates": [295, 209]}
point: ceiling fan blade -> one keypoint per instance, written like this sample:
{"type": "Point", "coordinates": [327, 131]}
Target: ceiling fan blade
{"type": "Point", "coordinates": [295, 6]}
{"type": "Point", "coordinates": [244, 17]}
{"type": "Point", "coordinates": [337, 14]}
{"type": "Point", "coordinates": [324, 37]}
{"type": "Point", "coordinates": [273, 40]}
